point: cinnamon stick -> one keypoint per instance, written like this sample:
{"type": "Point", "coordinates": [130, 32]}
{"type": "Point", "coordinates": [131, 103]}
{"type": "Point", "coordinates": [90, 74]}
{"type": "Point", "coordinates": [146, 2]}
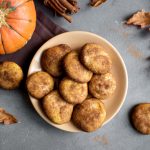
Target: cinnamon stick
{"type": "Point", "coordinates": [67, 17]}
{"type": "Point", "coordinates": [71, 8]}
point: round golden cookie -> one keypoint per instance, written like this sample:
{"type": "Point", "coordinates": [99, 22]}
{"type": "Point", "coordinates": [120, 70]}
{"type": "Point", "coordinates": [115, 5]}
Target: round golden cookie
{"type": "Point", "coordinates": [72, 91]}
{"type": "Point", "coordinates": [39, 84]}
{"type": "Point", "coordinates": [56, 108]}
{"type": "Point", "coordinates": [51, 59]}
{"type": "Point", "coordinates": [102, 86]}
{"type": "Point", "coordinates": [11, 75]}
{"type": "Point", "coordinates": [89, 115]}
{"type": "Point", "coordinates": [75, 69]}
{"type": "Point", "coordinates": [141, 118]}
{"type": "Point", "coordinates": [95, 59]}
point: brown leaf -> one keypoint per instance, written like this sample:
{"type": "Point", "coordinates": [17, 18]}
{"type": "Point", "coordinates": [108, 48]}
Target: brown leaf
{"type": "Point", "coordinates": [96, 3]}
{"type": "Point", "coordinates": [141, 18]}
{"type": "Point", "coordinates": [6, 118]}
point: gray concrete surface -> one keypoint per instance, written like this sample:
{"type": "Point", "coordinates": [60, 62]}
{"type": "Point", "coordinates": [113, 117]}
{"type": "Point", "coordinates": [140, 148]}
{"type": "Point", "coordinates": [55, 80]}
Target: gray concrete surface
{"type": "Point", "coordinates": [33, 133]}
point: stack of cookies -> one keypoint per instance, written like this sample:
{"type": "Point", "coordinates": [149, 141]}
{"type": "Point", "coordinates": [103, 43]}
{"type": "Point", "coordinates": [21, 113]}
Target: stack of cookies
{"type": "Point", "coordinates": [73, 84]}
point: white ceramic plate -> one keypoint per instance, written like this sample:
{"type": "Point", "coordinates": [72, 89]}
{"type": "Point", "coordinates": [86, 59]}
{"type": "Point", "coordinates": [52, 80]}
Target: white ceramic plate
{"type": "Point", "coordinates": [76, 39]}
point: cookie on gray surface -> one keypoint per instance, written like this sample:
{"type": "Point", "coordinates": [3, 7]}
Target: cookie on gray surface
{"type": "Point", "coordinates": [11, 75]}
{"type": "Point", "coordinates": [141, 118]}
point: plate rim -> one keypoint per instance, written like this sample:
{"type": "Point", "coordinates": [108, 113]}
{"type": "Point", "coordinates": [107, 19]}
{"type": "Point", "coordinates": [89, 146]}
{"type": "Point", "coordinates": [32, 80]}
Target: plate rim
{"type": "Point", "coordinates": [118, 54]}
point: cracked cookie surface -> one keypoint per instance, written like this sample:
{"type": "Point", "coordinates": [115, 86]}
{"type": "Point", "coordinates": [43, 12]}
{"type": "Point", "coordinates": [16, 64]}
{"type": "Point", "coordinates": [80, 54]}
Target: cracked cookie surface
{"type": "Point", "coordinates": [56, 108]}
{"type": "Point", "coordinates": [39, 84]}
{"type": "Point", "coordinates": [141, 118]}
{"type": "Point", "coordinates": [102, 86]}
{"type": "Point", "coordinates": [51, 59]}
{"type": "Point", "coordinates": [74, 69]}
{"type": "Point", "coordinates": [89, 115]}
{"type": "Point", "coordinates": [72, 91]}
{"type": "Point", "coordinates": [95, 59]}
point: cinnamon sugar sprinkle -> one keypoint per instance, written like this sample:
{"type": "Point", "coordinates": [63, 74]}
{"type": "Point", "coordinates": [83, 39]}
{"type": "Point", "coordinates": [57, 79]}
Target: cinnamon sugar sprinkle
{"type": "Point", "coordinates": [102, 139]}
{"type": "Point", "coordinates": [133, 50]}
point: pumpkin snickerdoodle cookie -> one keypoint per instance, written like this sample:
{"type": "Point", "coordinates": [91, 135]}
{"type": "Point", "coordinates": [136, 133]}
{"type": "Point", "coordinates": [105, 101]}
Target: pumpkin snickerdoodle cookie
{"type": "Point", "coordinates": [11, 75]}
{"type": "Point", "coordinates": [95, 59]}
{"type": "Point", "coordinates": [39, 84]}
{"type": "Point", "coordinates": [89, 115]}
{"type": "Point", "coordinates": [51, 59]}
{"type": "Point", "coordinates": [72, 91]}
{"type": "Point", "coordinates": [75, 69]}
{"type": "Point", "coordinates": [56, 108]}
{"type": "Point", "coordinates": [102, 86]}
{"type": "Point", "coordinates": [141, 118]}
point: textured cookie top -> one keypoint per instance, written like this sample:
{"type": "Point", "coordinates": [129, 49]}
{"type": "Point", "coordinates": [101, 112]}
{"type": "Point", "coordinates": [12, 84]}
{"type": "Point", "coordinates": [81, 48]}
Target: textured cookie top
{"type": "Point", "coordinates": [75, 69]}
{"type": "Point", "coordinates": [39, 84]}
{"type": "Point", "coordinates": [72, 91]}
{"type": "Point", "coordinates": [96, 59]}
{"type": "Point", "coordinates": [51, 59]}
{"type": "Point", "coordinates": [89, 115]}
{"type": "Point", "coordinates": [141, 118]}
{"type": "Point", "coordinates": [56, 108]}
{"type": "Point", "coordinates": [102, 86]}
{"type": "Point", "coordinates": [11, 75]}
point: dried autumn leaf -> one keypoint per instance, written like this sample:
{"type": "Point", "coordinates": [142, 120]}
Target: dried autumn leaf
{"type": "Point", "coordinates": [6, 118]}
{"type": "Point", "coordinates": [140, 18]}
{"type": "Point", "coordinates": [96, 3]}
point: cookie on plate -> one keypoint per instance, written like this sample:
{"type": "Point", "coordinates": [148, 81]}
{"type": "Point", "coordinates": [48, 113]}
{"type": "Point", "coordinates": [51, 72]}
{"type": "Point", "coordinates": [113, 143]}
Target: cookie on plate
{"type": "Point", "coordinates": [39, 84]}
{"type": "Point", "coordinates": [96, 59]}
{"type": "Point", "coordinates": [11, 75]}
{"type": "Point", "coordinates": [102, 86]}
{"type": "Point", "coordinates": [72, 91]}
{"type": "Point", "coordinates": [141, 118]}
{"type": "Point", "coordinates": [75, 69]}
{"type": "Point", "coordinates": [56, 108]}
{"type": "Point", "coordinates": [89, 115]}
{"type": "Point", "coordinates": [51, 59]}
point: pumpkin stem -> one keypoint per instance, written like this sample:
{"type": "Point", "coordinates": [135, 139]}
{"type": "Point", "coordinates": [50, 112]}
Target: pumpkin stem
{"type": "Point", "coordinates": [5, 9]}
{"type": "Point", "coordinates": [2, 18]}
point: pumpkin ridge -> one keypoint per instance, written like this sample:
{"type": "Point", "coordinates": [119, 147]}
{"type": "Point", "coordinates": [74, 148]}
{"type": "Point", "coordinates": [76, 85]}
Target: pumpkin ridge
{"type": "Point", "coordinates": [3, 44]}
{"type": "Point", "coordinates": [10, 9]}
{"type": "Point", "coordinates": [17, 32]}
{"type": "Point", "coordinates": [18, 14]}
{"type": "Point", "coordinates": [20, 33]}
{"type": "Point", "coordinates": [19, 19]}
{"type": "Point", "coordinates": [22, 3]}
{"type": "Point", "coordinates": [17, 24]}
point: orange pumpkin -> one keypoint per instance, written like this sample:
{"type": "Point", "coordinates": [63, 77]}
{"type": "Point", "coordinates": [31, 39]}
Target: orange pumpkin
{"type": "Point", "coordinates": [17, 24]}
